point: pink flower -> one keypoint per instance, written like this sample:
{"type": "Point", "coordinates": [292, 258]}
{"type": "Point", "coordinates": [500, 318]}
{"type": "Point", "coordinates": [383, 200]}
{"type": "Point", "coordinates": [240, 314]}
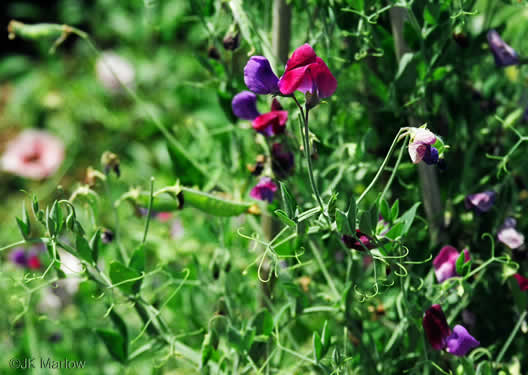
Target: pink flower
{"type": "Point", "coordinates": [271, 123]}
{"type": "Point", "coordinates": [420, 146]}
{"type": "Point", "coordinates": [34, 154]}
{"type": "Point", "coordinates": [264, 190]}
{"type": "Point", "coordinates": [445, 262]}
{"type": "Point", "coordinates": [307, 72]}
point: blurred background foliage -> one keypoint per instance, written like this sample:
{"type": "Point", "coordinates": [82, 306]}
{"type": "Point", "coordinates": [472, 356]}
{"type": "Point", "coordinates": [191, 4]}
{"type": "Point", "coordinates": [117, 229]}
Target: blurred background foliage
{"type": "Point", "coordinates": [186, 78]}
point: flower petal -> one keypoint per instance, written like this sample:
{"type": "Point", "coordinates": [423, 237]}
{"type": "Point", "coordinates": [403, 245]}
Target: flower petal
{"type": "Point", "coordinates": [445, 263]}
{"type": "Point", "coordinates": [504, 54]}
{"type": "Point", "coordinates": [304, 55]}
{"type": "Point", "coordinates": [324, 79]}
{"type": "Point", "coordinates": [417, 151]}
{"type": "Point", "coordinates": [522, 281]}
{"type": "Point", "coordinates": [511, 238]}
{"type": "Point", "coordinates": [460, 342]}
{"type": "Point", "coordinates": [293, 79]}
{"type": "Point", "coordinates": [271, 123]}
{"type": "Point", "coordinates": [259, 76]}
{"type": "Point", "coordinates": [435, 326]}
{"type": "Point", "coordinates": [244, 105]}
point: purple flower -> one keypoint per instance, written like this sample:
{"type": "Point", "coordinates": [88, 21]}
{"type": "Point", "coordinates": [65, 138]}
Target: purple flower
{"type": "Point", "coordinates": [360, 242]}
{"type": "Point", "coordinates": [445, 262]}
{"type": "Point", "coordinates": [504, 55]}
{"type": "Point", "coordinates": [460, 342]}
{"type": "Point", "coordinates": [264, 190]}
{"type": "Point", "coordinates": [259, 77]}
{"type": "Point", "coordinates": [18, 257]}
{"type": "Point", "coordinates": [435, 326]}
{"type": "Point", "coordinates": [420, 146]}
{"type": "Point", "coordinates": [282, 160]}
{"type": "Point", "coordinates": [480, 202]}
{"type": "Point", "coordinates": [244, 105]}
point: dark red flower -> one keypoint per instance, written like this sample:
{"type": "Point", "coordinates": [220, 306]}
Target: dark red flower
{"type": "Point", "coordinates": [271, 123]}
{"type": "Point", "coordinates": [360, 242]}
{"type": "Point", "coordinates": [435, 327]}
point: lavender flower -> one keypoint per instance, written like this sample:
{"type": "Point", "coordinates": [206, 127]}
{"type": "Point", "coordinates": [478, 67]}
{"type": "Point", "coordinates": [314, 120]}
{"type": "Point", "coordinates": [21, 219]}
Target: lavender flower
{"type": "Point", "coordinates": [460, 342]}
{"type": "Point", "coordinates": [480, 202]}
{"type": "Point", "coordinates": [244, 105]}
{"type": "Point", "coordinates": [504, 54]}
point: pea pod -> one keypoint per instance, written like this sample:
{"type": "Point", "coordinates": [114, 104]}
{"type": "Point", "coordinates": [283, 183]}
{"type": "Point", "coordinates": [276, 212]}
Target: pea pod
{"type": "Point", "coordinates": [205, 202]}
{"type": "Point", "coordinates": [37, 31]}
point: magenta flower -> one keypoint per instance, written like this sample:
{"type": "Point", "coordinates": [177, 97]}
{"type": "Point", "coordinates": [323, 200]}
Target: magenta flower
{"type": "Point", "coordinates": [282, 160]}
{"type": "Point", "coordinates": [33, 261]}
{"type": "Point", "coordinates": [509, 236]}
{"type": "Point", "coordinates": [522, 281]}
{"type": "Point", "coordinates": [457, 342]}
{"type": "Point", "coordinates": [259, 77]}
{"type": "Point", "coordinates": [264, 190]}
{"type": "Point", "coordinates": [460, 342]}
{"type": "Point", "coordinates": [445, 262]}
{"type": "Point", "coordinates": [504, 54]}
{"type": "Point", "coordinates": [480, 202]}
{"type": "Point", "coordinates": [271, 123]}
{"type": "Point", "coordinates": [420, 146]}
{"type": "Point", "coordinates": [360, 243]}
{"type": "Point", "coordinates": [307, 72]}
{"type": "Point", "coordinates": [34, 154]}
{"type": "Point", "coordinates": [244, 105]}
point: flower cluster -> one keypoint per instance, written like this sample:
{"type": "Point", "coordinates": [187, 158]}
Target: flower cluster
{"type": "Point", "coordinates": [457, 341]}
{"type": "Point", "coordinates": [304, 72]}
{"type": "Point", "coordinates": [25, 259]}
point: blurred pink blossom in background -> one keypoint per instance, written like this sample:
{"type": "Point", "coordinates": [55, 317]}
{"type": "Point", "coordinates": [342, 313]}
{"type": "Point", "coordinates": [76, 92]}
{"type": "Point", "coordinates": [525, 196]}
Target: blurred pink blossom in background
{"type": "Point", "coordinates": [111, 68]}
{"type": "Point", "coordinates": [33, 154]}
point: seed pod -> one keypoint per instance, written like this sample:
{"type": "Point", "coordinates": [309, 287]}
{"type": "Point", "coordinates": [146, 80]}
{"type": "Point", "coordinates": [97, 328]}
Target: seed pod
{"type": "Point", "coordinates": [38, 31]}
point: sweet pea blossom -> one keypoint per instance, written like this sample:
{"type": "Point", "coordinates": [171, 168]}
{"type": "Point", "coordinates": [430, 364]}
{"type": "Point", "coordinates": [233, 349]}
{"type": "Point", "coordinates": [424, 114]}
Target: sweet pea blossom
{"type": "Point", "coordinates": [22, 258]}
{"type": "Point", "coordinates": [420, 146]}
{"type": "Point", "coordinates": [264, 190]}
{"type": "Point", "coordinates": [522, 281]}
{"type": "Point", "coordinates": [457, 342]}
{"type": "Point", "coordinates": [509, 236]}
{"type": "Point", "coordinates": [445, 262]}
{"type": "Point", "coordinates": [111, 69]}
{"type": "Point", "coordinates": [504, 54]}
{"type": "Point", "coordinates": [271, 123]}
{"type": "Point", "coordinates": [244, 105]}
{"type": "Point", "coordinates": [363, 241]}
{"type": "Point", "coordinates": [480, 202]}
{"type": "Point", "coordinates": [306, 72]}
{"type": "Point", "coordinates": [259, 77]}
{"type": "Point", "coordinates": [33, 154]}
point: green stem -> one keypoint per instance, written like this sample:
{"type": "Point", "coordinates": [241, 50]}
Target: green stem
{"type": "Point", "coordinates": [326, 274]}
{"type": "Point", "coordinates": [381, 168]}
{"type": "Point", "coordinates": [512, 336]}
{"type": "Point", "coordinates": [395, 169]}
{"type": "Point", "coordinates": [149, 211]}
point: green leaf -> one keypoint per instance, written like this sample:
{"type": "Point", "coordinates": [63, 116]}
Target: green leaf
{"type": "Point", "coordinates": [351, 214]}
{"type": "Point", "coordinates": [115, 343]}
{"type": "Point", "coordinates": [384, 209]}
{"type": "Point", "coordinates": [342, 223]}
{"type": "Point", "coordinates": [404, 61]}
{"type": "Point", "coordinates": [121, 326]}
{"type": "Point", "coordinates": [460, 264]}
{"type": "Point", "coordinates": [137, 261]}
{"type": "Point", "coordinates": [290, 205]}
{"type": "Point", "coordinates": [58, 217]}
{"type": "Point", "coordinates": [263, 323]}
{"type": "Point", "coordinates": [95, 244]}
{"type": "Point", "coordinates": [83, 248]}
{"type": "Point", "coordinates": [317, 347]}
{"type": "Point", "coordinates": [395, 210]}
{"type": "Point", "coordinates": [325, 338]}
{"type": "Point", "coordinates": [365, 224]}
{"type": "Point", "coordinates": [23, 227]}
{"type": "Point", "coordinates": [408, 217]}
{"type": "Point", "coordinates": [184, 167]}
{"type": "Point", "coordinates": [331, 206]}
{"type": "Point", "coordinates": [207, 349]}
{"type": "Point", "coordinates": [283, 217]}
{"type": "Point", "coordinates": [123, 275]}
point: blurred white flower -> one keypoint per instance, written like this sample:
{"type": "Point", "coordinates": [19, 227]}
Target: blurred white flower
{"type": "Point", "coordinates": [34, 154]}
{"type": "Point", "coordinates": [111, 68]}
